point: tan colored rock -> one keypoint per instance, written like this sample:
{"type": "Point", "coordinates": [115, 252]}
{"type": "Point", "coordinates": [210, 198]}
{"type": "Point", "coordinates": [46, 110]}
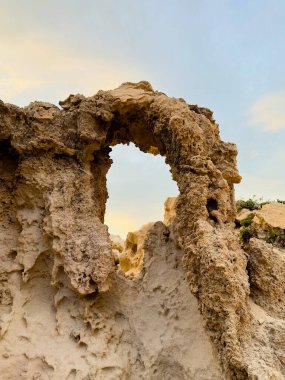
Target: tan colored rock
{"type": "Point", "coordinates": [243, 214]}
{"type": "Point", "coordinates": [271, 215]}
{"type": "Point", "coordinates": [61, 283]}
{"type": "Point", "coordinates": [118, 245]}
{"type": "Point", "coordinates": [132, 257]}
{"type": "Point", "coordinates": [117, 242]}
{"type": "Point", "coordinates": [267, 280]}
{"type": "Point", "coordinates": [146, 328]}
{"type": "Point", "coordinates": [169, 210]}
{"type": "Point", "coordinates": [265, 353]}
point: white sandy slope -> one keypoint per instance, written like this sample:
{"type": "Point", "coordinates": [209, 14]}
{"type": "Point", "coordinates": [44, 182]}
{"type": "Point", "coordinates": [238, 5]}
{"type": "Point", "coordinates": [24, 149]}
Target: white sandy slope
{"type": "Point", "coordinates": [148, 327]}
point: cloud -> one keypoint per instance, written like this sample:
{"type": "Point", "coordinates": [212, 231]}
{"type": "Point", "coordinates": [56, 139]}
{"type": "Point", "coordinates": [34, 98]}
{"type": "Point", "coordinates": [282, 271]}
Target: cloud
{"type": "Point", "coordinates": [268, 112]}
{"type": "Point", "coordinates": [44, 70]}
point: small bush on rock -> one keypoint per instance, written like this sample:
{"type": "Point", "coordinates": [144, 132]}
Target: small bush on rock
{"type": "Point", "coordinates": [250, 204]}
{"type": "Point", "coordinates": [246, 222]}
{"type": "Point", "coordinates": [247, 232]}
{"type": "Point", "coordinates": [275, 235]}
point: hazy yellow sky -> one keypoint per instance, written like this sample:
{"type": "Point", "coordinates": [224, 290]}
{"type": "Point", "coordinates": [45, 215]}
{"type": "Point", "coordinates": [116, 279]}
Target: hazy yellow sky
{"type": "Point", "coordinates": [223, 54]}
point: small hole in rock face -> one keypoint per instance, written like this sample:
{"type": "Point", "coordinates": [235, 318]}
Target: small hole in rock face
{"type": "Point", "coordinates": [12, 254]}
{"type": "Point", "coordinates": [212, 205]}
{"type": "Point", "coordinates": [134, 248]}
{"type": "Point", "coordinates": [75, 336]}
{"type": "Point", "coordinates": [8, 160]}
{"type": "Point", "coordinates": [213, 218]}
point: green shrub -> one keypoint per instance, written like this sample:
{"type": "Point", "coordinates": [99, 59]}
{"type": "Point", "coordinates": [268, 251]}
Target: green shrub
{"type": "Point", "coordinates": [246, 222]}
{"type": "Point", "coordinates": [246, 233]}
{"type": "Point", "coordinates": [271, 235]}
{"type": "Point", "coordinates": [282, 239]}
{"type": "Point", "coordinates": [275, 235]}
{"type": "Point", "coordinates": [250, 204]}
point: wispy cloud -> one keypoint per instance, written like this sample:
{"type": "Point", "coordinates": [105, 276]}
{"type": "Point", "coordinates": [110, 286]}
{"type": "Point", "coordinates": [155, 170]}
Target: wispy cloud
{"type": "Point", "coordinates": [37, 68]}
{"type": "Point", "coordinates": [268, 112]}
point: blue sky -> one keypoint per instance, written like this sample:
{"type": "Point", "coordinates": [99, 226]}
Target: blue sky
{"type": "Point", "coordinates": [225, 55]}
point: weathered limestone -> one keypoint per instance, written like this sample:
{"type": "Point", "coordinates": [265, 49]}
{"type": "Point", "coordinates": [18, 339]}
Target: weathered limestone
{"type": "Point", "coordinates": [169, 214]}
{"type": "Point", "coordinates": [146, 328]}
{"type": "Point", "coordinates": [271, 215]}
{"type": "Point", "coordinates": [266, 271]}
{"type": "Point", "coordinates": [53, 194]}
{"type": "Point", "coordinates": [131, 259]}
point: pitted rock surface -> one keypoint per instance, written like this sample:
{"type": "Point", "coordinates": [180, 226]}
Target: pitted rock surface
{"type": "Point", "coordinates": [53, 165]}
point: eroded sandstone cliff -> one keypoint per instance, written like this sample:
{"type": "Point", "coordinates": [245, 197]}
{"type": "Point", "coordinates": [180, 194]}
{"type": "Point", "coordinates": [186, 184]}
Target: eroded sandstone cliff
{"type": "Point", "coordinates": [70, 308]}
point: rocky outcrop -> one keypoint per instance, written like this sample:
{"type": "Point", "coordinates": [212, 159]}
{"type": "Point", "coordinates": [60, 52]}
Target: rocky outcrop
{"type": "Point", "coordinates": [131, 259]}
{"type": "Point", "coordinates": [266, 272]}
{"type": "Point", "coordinates": [266, 222]}
{"type": "Point", "coordinates": [148, 327]}
{"type": "Point", "coordinates": [169, 213]}
{"type": "Point", "coordinates": [271, 215]}
{"type": "Point", "coordinates": [60, 281]}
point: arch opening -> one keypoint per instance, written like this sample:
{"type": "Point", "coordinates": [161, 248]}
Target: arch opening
{"type": "Point", "coordinates": [203, 166]}
{"type": "Point", "coordinates": [138, 184]}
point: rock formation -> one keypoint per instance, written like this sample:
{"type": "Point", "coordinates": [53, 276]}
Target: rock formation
{"type": "Point", "coordinates": [69, 309]}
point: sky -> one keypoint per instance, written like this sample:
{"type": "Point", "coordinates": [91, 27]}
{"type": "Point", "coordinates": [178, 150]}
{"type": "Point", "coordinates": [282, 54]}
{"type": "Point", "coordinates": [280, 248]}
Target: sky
{"type": "Point", "coordinates": [226, 55]}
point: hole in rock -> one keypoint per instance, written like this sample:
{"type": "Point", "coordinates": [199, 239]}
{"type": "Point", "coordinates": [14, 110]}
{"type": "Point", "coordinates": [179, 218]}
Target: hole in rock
{"type": "Point", "coordinates": [138, 184]}
{"type": "Point", "coordinates": [212, 205]}
{"type": "Point", "coordinates": [8, 160]}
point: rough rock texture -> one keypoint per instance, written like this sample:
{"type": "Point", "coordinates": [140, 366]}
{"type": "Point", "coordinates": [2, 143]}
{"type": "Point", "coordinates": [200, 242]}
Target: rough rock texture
{"type": "Point", "coordinates": [131, 259]}
{"type": "Point", "coordinates": [271, 215]}
{"type": "Point", "coordinates": [266, 271]}
{"type": "Point", "coordinates": [169, 213]}
{"type": "Point", "coordinates": [266, 351]}
{"type": "Point", "coordinates": [147, 328]}
{"type": "Point", "coordinates": [60, 284]}
{"type": "Point", "coordinates": [118, 246]}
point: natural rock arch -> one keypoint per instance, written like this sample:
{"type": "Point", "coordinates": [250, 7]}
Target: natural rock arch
{"type": "Point", "coordinates": [138, 184]}
{"type": "Point", "coordinates": [60, 194]}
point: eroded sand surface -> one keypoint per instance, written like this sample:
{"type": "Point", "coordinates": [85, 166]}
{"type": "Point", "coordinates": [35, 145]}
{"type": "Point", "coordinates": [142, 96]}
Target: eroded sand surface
{"type": "Point", "coordinates": [183, 299]}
